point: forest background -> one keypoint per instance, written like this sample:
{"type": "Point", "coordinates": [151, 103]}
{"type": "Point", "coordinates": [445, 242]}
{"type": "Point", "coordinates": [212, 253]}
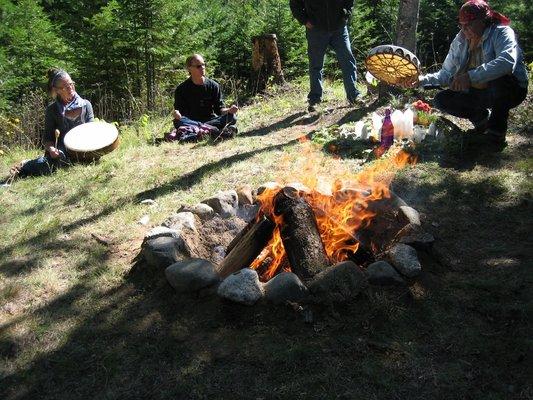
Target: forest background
{"type": "Point", "coordinates": [127, 56]}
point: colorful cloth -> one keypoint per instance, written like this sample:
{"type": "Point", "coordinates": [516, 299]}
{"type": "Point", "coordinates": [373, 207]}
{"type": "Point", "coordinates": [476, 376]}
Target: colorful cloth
{"type": "Point", "coordinates": [479, 9]}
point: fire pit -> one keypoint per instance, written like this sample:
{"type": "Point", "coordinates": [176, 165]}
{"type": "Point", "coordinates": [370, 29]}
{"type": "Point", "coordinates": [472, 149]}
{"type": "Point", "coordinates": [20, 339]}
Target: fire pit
{"type": "Point", "coordinates": [293, 242]}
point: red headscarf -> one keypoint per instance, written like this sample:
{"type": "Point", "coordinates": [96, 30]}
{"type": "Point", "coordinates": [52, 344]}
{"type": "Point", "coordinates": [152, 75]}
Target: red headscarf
{"type": "Point", "coordinates": [479, 9]}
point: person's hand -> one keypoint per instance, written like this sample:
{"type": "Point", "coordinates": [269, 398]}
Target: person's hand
{"type": "Point", "coordinates": [309, 25]}
{"type": "Point", "coordinates": [460, 82]}
{"type": "Point", "coordinates": [233, 109]}
{"type": "Point", "coordinates": [54, 152]}
{"type": "Point", "coordinates": [408, 82]}
{"type": "Point", "coordinates": [177, 115]}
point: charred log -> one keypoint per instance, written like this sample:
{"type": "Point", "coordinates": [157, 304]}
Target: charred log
{"type": "Point", "coordinates": [244, 251]}
{"type": "Point", "coordinates": [299, 234]}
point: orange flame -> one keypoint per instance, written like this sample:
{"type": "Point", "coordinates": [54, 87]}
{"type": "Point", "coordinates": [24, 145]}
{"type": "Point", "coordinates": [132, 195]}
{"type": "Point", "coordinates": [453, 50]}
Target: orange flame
{"type": "Point", "coordinates": [340, 205]}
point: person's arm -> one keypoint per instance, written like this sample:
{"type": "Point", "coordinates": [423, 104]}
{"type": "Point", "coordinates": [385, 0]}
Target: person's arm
{"type": "Point", "coordinates": [506, 50]}
{"type": "Point", "coordinates": [179, 102]}
{"type": "Point", "coordinates": [89, 113]}
{"type": "Point", "coordinates": [298, 11]}
{"type": "Point", "coordinates": [218, 100]}
{"type": "Point", "coordinates": [449, 68]}
{"type": "Point", "coordinates": [50, 126]}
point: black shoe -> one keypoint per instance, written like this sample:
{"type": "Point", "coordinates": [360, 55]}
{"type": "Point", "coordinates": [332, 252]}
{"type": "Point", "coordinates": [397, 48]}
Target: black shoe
{"type": "Point", "coordinates": [480, 126]}
{"type": "Point", "coordinates": [313, 107]}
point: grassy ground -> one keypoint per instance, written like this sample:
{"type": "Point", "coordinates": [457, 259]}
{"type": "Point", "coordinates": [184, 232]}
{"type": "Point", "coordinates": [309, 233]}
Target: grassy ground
{"type": "Point", "coordinates": [78, 321]}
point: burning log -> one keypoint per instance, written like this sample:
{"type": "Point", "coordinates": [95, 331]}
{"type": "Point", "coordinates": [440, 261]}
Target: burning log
{"type": "Point", "coordinates": [243, 250]}
{"type": "Point", "coordinates": [299, 234]}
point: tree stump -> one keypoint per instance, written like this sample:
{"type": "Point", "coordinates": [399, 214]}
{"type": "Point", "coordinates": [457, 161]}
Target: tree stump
{"type": "Point", "coordinates": [266, 62]}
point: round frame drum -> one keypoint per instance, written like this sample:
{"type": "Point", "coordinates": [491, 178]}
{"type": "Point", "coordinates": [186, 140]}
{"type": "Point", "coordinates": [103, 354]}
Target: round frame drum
{"type": "Point", "coordinates": [88, 142]}
{"type": "Point", "coordinates": [390, 63]}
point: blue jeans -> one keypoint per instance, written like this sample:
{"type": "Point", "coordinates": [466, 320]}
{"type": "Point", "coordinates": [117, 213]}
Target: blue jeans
{"type": "Point", "coordinates": [501, 95]}
{"type": "Point", "coordinates": [317, 44]}
{"type": "Point", "coordinates": [218, 122]}
{"type": "Point", "coordinates": [44, 165]}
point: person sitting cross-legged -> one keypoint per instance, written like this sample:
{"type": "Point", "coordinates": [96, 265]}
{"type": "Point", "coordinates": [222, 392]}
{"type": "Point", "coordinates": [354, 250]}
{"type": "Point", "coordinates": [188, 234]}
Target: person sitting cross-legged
{"type": "Point", "coordinates": [67, 111]}
{"type": "Point", "coordinates": [198, 103]}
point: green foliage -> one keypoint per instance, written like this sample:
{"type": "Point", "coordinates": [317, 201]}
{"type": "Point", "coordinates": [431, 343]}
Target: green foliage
{"type": "Point", "coordinates": [29, 46]}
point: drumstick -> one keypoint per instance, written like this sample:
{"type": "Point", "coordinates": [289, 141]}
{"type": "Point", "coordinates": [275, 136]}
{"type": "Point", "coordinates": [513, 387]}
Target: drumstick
{"type": "Point", "coordinates": [56, 133]}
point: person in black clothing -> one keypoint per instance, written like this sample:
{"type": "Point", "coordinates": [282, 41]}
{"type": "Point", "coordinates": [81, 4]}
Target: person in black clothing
{"type": "Point", "coordinates": [198, 102]}
{"type": "Point", "coordinates": [325, 24]}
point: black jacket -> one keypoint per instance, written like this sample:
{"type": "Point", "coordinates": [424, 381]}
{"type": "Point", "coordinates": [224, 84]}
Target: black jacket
{"type": "Point", "coordinates": [326, 15]}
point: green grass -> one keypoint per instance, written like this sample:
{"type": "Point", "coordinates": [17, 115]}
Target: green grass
{"type": "Point", "coordinates": [78, 322]}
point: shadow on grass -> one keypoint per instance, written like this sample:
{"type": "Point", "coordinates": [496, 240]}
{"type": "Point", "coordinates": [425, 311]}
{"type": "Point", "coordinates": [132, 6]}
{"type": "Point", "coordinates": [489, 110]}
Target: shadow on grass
{"type": "Point", "coordinates": [282, 124]}
{"type": "Point", "coordinates": [141, 340]}
{"type": "Point", "coordinates": [179, 183]}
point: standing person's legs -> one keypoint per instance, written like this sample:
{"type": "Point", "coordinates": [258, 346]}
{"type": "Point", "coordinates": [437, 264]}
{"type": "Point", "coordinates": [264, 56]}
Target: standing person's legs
{"type": "Point", "coordinates": [340, 41]}
{"type": "Point", "coordinates": [504, 94]}
{"type": "Point", "coordinates": [317, 43]}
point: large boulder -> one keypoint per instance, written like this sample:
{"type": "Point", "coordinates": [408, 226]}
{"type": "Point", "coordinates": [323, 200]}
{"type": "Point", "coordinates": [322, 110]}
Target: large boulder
{"type": "Point", "coordinates": [284, 287]}
{"type": "Point", "coordinates": [162, 251]}
{"type": "Point", "coordinates": [338, 283]}
{"type": "Point", "coordinates": [191, 275]}
{"type": "Point", "coordinates": [405, 260]}
{"type": "Point", "coordinates": [382, 273]}
{"type": "Point", "coordinates": [224, 203]}
{"type": "Point", "coordinates": [242, 287]}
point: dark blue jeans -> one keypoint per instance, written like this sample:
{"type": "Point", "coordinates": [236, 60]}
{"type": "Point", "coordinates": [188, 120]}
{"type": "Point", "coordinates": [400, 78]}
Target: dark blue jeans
{"type": "Point", "coordinates": [218, 122]}
{"type": "Point", "coordinates": [44, 165]}
{"type": "Point", "coordinates": [318, 42]}
{"type": "Point", "coordinates": [502, 95]}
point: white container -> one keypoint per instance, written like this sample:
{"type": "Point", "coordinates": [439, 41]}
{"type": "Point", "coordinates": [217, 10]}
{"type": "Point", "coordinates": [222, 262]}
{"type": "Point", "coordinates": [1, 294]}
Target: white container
{"type": "Point", "coordinates": [377, 122]}
{"type": "Point", "coordinates": [419, 133]}
{"type": "Point", "coordinates": [397, 122]}
{"type": "Point", "coordinates": [359, 125]}
{"type": "Point", "coordinates": [408, 116]}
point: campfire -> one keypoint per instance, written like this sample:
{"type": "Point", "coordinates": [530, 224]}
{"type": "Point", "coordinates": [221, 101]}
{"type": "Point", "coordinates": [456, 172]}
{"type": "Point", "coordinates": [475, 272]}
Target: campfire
{"type": "Point", "coordinates": [302, 230]}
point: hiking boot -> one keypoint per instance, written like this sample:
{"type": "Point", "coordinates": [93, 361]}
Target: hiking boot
{"type": "Point", "coordinates": [313, 107]}
{"type": "Point", "coordinates": [480, 126]}
{"type": "Point", "coordinates": [357, 102]}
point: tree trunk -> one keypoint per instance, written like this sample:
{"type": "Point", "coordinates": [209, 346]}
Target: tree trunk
{"type": "Point", "coordinates": [266, 62]}
{"type": "Point", "coordinates": [407, 24]}
{"type": "Point", "coordinates": [299, 234]}
{"type": "Point", "coordinates": [247, 248]}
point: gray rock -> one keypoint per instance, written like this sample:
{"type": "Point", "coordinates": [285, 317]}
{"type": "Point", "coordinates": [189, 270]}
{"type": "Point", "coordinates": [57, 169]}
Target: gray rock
{"type": "Point", "coordinates": [338, 283]}
{"type": "Point", "coordinates": [405, 260]}
{"type": "Point", "coordinates": [244, 193]}
{"type": "Point", "coordinates": [181, 220]}
{"type": "Point", "coordinates": [203, 211]}
{"type": "Point", "coordinates": [161, 252]}
{"type": "Point", "coordinates": [247, 212]}
{"type": "Point", "coordinates": [224, 203]}
{"type": "Point", "coordinates": [285, 286]}
{"type": "Point", "coordinates": [382, 273]}
{"type": "Point", "coordinates": [419, 240]}
{"type": "Point", "coordinates": [162, 231]}
{"type": "Point", "coordinates": [242, 287]}
{"type": "Point", "coordinates": [409, 215]}
{"type": "Point", "coordinates": [191, 275]}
